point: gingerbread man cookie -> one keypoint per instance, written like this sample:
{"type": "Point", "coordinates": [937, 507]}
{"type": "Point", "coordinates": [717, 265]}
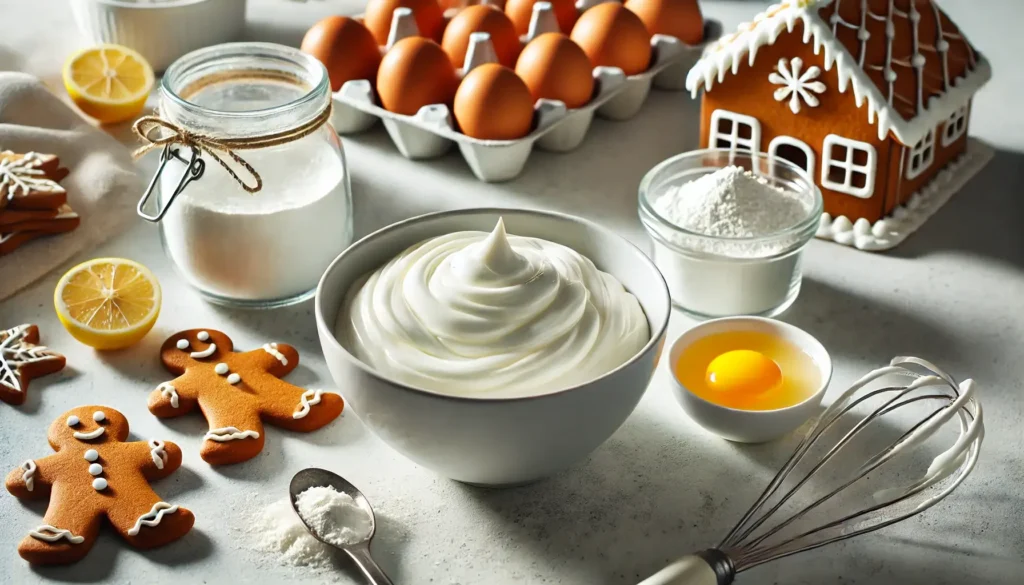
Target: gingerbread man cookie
{"type": "Point", "coordinates": [21, 359]}
{"type": "Point", "coordinates": [236, 392]}
{"type": "Point", "coordinates": [96, 474]}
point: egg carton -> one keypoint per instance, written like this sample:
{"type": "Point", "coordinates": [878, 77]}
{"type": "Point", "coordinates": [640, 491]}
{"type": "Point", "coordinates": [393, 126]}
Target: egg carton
{"type": "Point", "coordinates": [431, 132]}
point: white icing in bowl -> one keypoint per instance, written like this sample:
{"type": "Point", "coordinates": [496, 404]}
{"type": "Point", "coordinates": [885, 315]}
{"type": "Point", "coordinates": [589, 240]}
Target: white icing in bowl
{"type": "Point", "coordinates": [470, 313]}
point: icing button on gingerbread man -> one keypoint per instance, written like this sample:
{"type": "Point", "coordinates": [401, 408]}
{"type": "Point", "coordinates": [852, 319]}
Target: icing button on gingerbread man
{"type": "Point", "coordinates": [236, 392]}
{"type": "Point", "coordinates": [95, 474]}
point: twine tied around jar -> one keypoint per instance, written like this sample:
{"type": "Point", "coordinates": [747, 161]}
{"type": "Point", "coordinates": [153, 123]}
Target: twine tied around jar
{"type": "Point", "coordinates": [211, 145]}
{"type": "Point", "coordinates": [216, 147]}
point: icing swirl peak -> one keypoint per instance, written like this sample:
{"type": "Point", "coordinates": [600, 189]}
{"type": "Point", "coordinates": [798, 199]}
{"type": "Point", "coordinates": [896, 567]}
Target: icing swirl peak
{"type": "Point", "coordinates": [474, 313]}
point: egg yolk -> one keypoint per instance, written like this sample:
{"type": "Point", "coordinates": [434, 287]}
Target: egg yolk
{"type": "Point", "coordinates": [743, 371]}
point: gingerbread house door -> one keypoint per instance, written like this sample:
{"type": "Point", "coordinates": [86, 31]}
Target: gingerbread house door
{"type": "Point", "coordinates": [792, 150]}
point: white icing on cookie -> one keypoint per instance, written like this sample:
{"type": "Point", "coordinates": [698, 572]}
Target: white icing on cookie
{"type": "Point", "coordinates": [205, 353]}
{"type": "Point", "coordinates": [90, 435]}
{"type": "Point", "coordinates": [156, 451]}
{"type": "Point", "coordinates": [73, 421]}
{"type": "Point", "coordinates": [221, 369]}
{"type": "Point", "coordinates": [153, 517]}
{"type": "Point", "coordinates": [169, 392]}
{"type": "Point", "coordinates": [271, 348]}
{"type": "Point", "coordinates": [309, 398]}
{"type": "Point", "coordinates": [30, 473]}
{"type": "Point", "coordinates": [95, 469]}
{"type": "Point", "coordinates": [99, 416]}
{"type": "Point", "coordinates": [225, 434]}
{"type": "Point", "coordinates": [99, 484]}
{"type": "Point", "coordinates": [203, 336]}
{"type": "Point", "coordinates": [182, 344]}
{"type": "Point", "coordinates": [92, 455]}
{"type": "Point", "coordinates": [48, 533]}
{"type": "Point", "coordinates": [234, 378]}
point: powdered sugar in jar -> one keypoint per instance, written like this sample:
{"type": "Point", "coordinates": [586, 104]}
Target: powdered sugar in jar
{"type": "Point", "coordinates": [267, 248]}
{"type": "Point", "coordinates": [728, 229]}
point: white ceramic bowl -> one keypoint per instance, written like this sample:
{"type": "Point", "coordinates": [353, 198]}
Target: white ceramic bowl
{"type": "Point", "coordinates": [162, 30]}
{"type": "Point", "coordinates": [751, 426]}
{"type": "Point", "coordinates": [494, 442]}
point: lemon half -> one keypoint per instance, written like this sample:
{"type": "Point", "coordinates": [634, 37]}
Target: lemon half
{"type": "Point", "coordinates": [108, 303]}
{"type": "Point", "coordinates": [108, 82]}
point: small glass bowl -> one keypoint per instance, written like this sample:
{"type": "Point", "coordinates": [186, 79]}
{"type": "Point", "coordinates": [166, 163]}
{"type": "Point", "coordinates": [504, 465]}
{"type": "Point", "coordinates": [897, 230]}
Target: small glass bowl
{"type": "Point", "coordinates": [713, 276]}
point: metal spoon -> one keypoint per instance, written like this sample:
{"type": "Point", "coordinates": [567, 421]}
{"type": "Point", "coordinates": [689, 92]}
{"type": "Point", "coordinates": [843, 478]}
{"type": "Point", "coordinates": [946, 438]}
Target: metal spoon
{"type": "Point", "coordinates": [360, 551]}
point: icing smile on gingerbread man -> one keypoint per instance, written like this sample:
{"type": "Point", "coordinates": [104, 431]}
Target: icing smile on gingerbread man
{"type": "Point", "coordinates": [236, 392]}
{"type": "Point", "coordinates": [94, 475]}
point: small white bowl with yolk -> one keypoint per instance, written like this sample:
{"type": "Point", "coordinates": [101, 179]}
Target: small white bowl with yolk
{"type": "Point", "coordinates": [749, 379]}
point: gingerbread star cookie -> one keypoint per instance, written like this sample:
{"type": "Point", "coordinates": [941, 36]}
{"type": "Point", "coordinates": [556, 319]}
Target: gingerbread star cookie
{"type": "Point", "coordinates": [94, 475]}
{"type": "Point", "coordinates": [237, 392]}
{"type": "Point", "coordinates": [21, 360]}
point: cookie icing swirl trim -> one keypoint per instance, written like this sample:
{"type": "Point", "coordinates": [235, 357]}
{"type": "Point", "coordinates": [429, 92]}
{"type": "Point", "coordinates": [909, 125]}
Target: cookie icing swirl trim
{"type": "Point", "coordinates": [48, 533]}
{"type": "Point", "coordinates": [225, 434]}
{"type": "Point", "coordinates": [169, 392]}
{"type": "Point", "coordinates": [153, 517]}
{"type": "Point", "coordinates": [157, 452]}
{"type": "Point", "coordinates": [271, 348]}
{"type": "Point", "coordinates": [309, 398]}
{"type": "Point", "coordinates": [30, 473]}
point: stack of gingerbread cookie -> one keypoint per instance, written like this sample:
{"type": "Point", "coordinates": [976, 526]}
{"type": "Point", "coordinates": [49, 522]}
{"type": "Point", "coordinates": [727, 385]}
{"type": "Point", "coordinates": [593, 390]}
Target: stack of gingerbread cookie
{"type": "Point", "coordinates": [32, 202]}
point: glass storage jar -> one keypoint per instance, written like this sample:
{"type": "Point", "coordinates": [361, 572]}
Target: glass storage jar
{"type": "Point", "coordinates": [717, 276]}
{"type": "Point", "coordinates": [266, 248]}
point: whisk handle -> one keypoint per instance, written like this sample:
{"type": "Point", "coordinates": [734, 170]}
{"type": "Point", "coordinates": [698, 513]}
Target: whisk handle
{"type": "Point", "coordinates": [709, 567]}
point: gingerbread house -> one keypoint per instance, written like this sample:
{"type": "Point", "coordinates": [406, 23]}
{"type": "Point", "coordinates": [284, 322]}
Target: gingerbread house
{"type": "Point", "coordinates": [871, 97]}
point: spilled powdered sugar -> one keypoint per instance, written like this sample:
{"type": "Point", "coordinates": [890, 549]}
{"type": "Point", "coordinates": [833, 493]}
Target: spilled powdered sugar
{"type": "Point", "coordinates": [278, 531]}
{"type": "Point", "coordinates": [730, 203]}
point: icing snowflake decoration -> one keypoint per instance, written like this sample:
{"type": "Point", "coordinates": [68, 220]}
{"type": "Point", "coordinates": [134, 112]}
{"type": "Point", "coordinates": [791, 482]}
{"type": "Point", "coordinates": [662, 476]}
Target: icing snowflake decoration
{"type": "Point", "coordinates": [23, 174]}
{"type": "Point", "coordinates": [797, 86]}
{"type": "Point", "coordinates": [16, 352]}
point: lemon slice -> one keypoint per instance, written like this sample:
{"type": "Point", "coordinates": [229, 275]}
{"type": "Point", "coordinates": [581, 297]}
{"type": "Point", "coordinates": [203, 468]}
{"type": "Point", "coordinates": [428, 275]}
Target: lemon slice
{"type": "Point", "coordinates": [108, 303]}
{"type": "Point", "coordinates": [108, 82]}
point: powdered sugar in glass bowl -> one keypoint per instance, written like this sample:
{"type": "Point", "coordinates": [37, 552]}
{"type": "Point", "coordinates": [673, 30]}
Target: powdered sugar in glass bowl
{"type": "Point", "coordinates": [728, 229]}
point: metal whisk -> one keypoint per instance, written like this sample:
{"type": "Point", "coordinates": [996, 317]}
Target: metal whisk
{"type": "Point", "coordinates": [918, 410]}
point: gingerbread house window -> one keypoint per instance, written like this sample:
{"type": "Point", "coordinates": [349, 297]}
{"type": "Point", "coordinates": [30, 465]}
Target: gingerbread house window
{"type": "Point", "coordinates": [955, 126]}
{"type": "Point", "coordinates": [733, 131]}
{"type": "Point", "coordinates": [921, 156]}
{"type": "Point", "coordinates": [848, 166]}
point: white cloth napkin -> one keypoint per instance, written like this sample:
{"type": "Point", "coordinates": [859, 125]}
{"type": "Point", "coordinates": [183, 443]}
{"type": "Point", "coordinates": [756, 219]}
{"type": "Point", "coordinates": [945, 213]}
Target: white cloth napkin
{"type": "Point", "coordinates": [102, 187]}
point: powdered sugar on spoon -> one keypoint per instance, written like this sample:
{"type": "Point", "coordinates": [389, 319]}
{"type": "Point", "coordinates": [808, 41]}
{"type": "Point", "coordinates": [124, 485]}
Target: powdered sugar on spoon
{"type": "Point", "coordinates": [337, 514]}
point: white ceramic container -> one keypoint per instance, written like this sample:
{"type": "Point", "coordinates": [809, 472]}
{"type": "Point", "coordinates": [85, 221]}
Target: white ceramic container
{"type": "Point", "coordinates": [494, 442]}
{"type": "Point", "coordinates": [160, 30]}
{"type": "Point", "coordinates": [751, 426]}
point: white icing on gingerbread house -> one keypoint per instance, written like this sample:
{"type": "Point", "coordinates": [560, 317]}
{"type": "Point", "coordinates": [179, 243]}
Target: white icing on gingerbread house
{"type": "Point", "coordinates": [870, 97]}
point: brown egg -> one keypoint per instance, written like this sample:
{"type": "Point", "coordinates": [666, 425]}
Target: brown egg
{"type": "Point", "coordinates": [614, 37]}
{"type": "Point", "coordinates": [492, 103]}
{"type": "Point", "coordinates": [678, 18]}
{"type": "Point", "coordinates": [416, 72]}
{"type": "Point", "coordinates": [345, 47]}
{"type": "Point", "coordinates": [481, 18]}
{"type": "Point", "coordinates": [428, 15]}
{"type": "Point", "coordinates": [521, 11]}
{"type": "Point", "coordinates": [555, 68]}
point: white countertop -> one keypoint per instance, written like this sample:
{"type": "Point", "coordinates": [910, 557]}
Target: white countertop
{"type": "Point", "coordinates": [660, 487]}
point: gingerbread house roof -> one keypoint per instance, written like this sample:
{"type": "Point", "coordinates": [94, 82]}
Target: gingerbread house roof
{"type": "Point", "coordinates": [905, 58]}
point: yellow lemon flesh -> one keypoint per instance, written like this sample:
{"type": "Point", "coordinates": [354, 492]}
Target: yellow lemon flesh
{"type": "Point", "coordinates": [743, 371]}
{"type": "Point", "coordinates": [108, 303]}
{"type": "Point", "coordinates": [108, 82]}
